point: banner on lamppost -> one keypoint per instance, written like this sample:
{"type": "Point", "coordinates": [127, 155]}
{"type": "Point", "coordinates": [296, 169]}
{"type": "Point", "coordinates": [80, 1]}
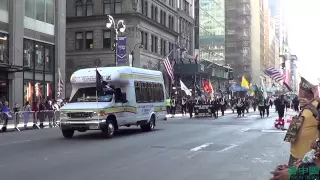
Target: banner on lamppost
{"type": "Point", "coordinates": [121, 50]}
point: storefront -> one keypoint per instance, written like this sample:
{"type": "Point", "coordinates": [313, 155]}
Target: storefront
{"type": "Point", "coordinates": [4, 54]}
{"type": "Point", "coordinates": [39, 80]}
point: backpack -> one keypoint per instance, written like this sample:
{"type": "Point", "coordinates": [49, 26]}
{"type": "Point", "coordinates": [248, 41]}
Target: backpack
{"type": "Point", "coordinates": [297, 122]}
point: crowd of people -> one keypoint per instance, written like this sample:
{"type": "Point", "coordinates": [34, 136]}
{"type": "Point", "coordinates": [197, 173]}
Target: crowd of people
{"type": "Point", "coordinates": [39, 111]}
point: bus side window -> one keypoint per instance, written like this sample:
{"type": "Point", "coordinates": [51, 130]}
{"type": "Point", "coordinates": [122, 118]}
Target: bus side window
{"type": "Point", "coordinates": [137, 91]}
{"type": "Point", "coordinates": [158, 92]}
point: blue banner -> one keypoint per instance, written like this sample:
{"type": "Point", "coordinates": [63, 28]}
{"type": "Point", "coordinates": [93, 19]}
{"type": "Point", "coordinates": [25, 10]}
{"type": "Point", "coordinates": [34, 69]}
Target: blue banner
{"type": "Point", "coordinates": [121, 50]}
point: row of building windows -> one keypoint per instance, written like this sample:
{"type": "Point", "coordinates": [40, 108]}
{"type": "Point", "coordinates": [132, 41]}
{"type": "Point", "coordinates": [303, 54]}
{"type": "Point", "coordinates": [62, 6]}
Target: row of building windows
{"type": "Point", "coordinates": [149, 92]}
{"type": "Point", "coordinates": [86, 8]}
{"type": "Point", "coordinates": [42, 10]}
{"type": "Point", "coordinates": [154, 14]}
{"type": "Point", "coordinates": [84, 40]}
{"type": "Point", "coordinates": [38, 56]}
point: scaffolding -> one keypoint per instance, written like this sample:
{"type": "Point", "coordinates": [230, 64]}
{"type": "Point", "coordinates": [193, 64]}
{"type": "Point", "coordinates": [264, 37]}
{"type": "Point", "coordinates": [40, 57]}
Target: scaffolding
{"type": "Point", "coordinates": [238, 37]}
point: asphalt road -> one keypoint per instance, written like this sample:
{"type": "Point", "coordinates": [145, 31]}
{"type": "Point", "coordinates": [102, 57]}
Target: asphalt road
{"type": "Point", "coordinates": [180, 149]}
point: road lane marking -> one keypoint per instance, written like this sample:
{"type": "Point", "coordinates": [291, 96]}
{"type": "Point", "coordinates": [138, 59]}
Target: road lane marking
{"type": "Point", "coordinates": [272, 131]}
{"type": "Point", "coordinates": [16, 142]}
{"type": "Point", "coordinates": [228, 148]}
{"type": "Point", "coordinates": [201, 147]}
{"type": "Point", "coordinates": [245, 130]}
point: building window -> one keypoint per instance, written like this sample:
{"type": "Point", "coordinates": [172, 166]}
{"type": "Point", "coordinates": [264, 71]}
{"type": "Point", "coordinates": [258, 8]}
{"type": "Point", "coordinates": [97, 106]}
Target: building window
{"type": "Point", "coordinates": [30, 8]}
{"type": "Point", "coordinates": [4, 53]}
{"type": "Point", "coordinates": [50, 11]}
{"type": "Point", "coordinates": [107, 6]}
{"type": "Point", "coordinates": [49, 89]}
{"type": "Point", "coordinates": [79, 7]}
{"type": "Point", "coordinates": [79, 40]}
{"type": "Point", "coordinates": [40, 10]}
{"type": "Point", "coordinates": [154, 12]}
{"type": "Point", "coordinates": [89, 8]}
{"type": "Point", "coordinates": [28, 53]}
{"type": "Point", "coordinates": [144, 7]}
{"type": "Point", "coordinates": [171, 3]}
{"type": "Point", "coordinates": [49, 58]}
{"type": "Point", "coordinates": [4, 5]}
{"type": "Point", "coordinates": [154, 44]}
{"type": "Point", "coordinates": [171, 47]}
{"type": "Point", "coordinates": [107, 39]}
{"type": "Point", "coordinates": [144, 40]}
{"type": "Point", "coordinates": [39, 90]}
{"type": "Point", "coordinates": [39, 56]}
{"type": "Point", "coordinates": [28, 91]}
{"type": "Point", "coordinates": [117, 7]}
{"type": "Point", "coordinates": [89, 40]}
{"type": "Point", "coordinates": [163, 47]}
{"type": "Point", "coordinates": [171, 22]}
{"type": "Point", "coordinates": [163, 17]}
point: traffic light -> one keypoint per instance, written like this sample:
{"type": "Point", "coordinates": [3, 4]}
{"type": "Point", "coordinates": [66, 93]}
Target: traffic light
{"type": "Point", "coordinates": [283, 65]}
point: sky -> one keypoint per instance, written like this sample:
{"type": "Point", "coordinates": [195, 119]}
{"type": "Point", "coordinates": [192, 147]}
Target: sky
{"type": "Point", "coordinates": [302, 18]}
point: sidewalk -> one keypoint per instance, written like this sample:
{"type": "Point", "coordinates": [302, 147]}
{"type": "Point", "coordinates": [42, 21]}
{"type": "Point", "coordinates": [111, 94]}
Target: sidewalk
{"type": "Point", "coordinates": [10, 127]}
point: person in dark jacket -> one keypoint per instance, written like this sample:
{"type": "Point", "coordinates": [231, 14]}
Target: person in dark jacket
{"type": "Point", "coordinates": [190, 105]}
{"type": "Point", "coordinates": [281, 106]}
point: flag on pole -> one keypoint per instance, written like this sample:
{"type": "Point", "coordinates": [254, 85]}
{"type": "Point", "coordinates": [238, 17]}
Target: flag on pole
{"type": "Point", "coordinates": [274, 74]}
{"type": "Point", "coordinates": [60, 84]}
{"type": "Point", "coordinates": [245, 83]}
{"type": "Point", "coordinates": [185, 89]}
{"type": "Point", "coordinates": [206, 86]}
{"type": "Point", "coordinates": [212, 91]}
{"type": "Point", "coordinates": [169, 68]}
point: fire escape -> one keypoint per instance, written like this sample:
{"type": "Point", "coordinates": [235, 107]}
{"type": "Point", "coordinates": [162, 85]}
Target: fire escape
{"type": "Point", "coordinates": [238, 37]}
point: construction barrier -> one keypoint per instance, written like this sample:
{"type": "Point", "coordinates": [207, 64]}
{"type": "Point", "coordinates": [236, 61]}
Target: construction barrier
{"type": "Point", "coordinates": [23, 119]}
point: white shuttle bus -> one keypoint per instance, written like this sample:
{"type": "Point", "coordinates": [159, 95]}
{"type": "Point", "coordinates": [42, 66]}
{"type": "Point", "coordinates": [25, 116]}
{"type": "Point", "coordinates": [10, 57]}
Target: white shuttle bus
{"type": "Point", "coordinates": [136, 97]}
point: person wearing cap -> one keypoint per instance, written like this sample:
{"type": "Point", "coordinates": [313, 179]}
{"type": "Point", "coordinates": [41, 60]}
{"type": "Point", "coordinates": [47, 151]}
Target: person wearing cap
{"type": "Point", "coordinates": [300, 138]}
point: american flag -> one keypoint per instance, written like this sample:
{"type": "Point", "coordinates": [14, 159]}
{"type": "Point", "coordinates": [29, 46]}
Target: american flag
{"type": "Point", "coordinates": [274, 74]}
{"type": "Point", "coordinates": [60, 84]}
{"type": "Point", "coordinates": [169, 68]}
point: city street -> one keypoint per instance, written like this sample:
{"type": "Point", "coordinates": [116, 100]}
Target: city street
{"type": "Point", "coordinates": [179, 149]}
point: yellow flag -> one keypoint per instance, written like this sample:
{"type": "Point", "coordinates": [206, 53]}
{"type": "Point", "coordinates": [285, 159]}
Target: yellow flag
{"type": "Point", "coordinates": [245, 83]}
{"type": "Point", "coordinates": [212, 92]}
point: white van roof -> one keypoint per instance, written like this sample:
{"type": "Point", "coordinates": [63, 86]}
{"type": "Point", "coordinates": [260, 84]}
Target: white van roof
{"type": "Point", "coordinates": [120, 73]}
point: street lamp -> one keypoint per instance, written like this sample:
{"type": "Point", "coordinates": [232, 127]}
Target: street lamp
{"type": "Point", "coordinates": [131, 55]}
{"type": "Point", "coordinates": [119, 26]}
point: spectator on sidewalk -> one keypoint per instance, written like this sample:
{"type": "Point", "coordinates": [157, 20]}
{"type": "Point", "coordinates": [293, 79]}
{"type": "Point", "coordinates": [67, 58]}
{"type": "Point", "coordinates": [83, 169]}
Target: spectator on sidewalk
{"type": "Point", "coordinates": [16, 116]}
{"type": "Point", "coordinates": [5, 115]}
{"type": "Point", "coordinates": [168, 104]}
{"type": "Point", "coordinates": [304, 128]}
{"type": "Point", "coordinates": [26, 114]}
{"type": "Point", "coordinates": [42, 113]}
{"type": "Point", "coordinates": [49, 113]}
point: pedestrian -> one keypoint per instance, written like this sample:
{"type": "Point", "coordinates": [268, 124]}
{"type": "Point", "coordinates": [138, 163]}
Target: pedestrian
{"type": "Point", "coordinates": [26, 114]}
{"type": "Point", "coordinates": [190, 106]}
{"type": "Point", "coordinates": [281, 107]}
{"type": "Point", "coordinates": [173, 106]}
{"type": "Point", "coordinates": [168, 105]}
{"type": "Point", "coordinates": [223, 105]}
{"type": "Point", "coordinates": [6, 113]}
{"type": "Point", "coordinates": [267, 105]}
{"type": "Point", "coordinates": [304, 128]}
{"type": "Point", "coordinates": [49, 113]}
{"type": "Point", "coordinates": [239, 107]}
{"type": "Point", "coordinates": [16, 116]}
{"type": "Point", "coordinates": [35, 112]}
{"type": "Point", "coordinates": [184, 106]}
{"type": "Point", "coordinates": [42, 113]}
{"type": "Point", "coordinates": [261, 107]}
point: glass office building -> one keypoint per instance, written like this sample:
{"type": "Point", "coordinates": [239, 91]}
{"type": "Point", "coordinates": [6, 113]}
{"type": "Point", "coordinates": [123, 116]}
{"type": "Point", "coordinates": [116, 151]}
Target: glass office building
{"type": "Point", "coordinates": [212, 30]}
{"type": "Point", "coordinates": [32, 47]}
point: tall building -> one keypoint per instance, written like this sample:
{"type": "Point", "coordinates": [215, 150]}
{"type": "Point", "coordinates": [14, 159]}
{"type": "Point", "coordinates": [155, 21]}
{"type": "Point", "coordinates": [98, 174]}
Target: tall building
{"type": "Point", "coordinates": [266, 13]}
{"type": "Point", "coordinates": [257, 40]}
{"type": "Point", "coordinates": [32, 47]}
{"type": "Point", "coordinates": [238, 37]}
{"type": "Point", "coordinates": [212, 30]}
{"type": "Point", "coordinates": [153, 29]}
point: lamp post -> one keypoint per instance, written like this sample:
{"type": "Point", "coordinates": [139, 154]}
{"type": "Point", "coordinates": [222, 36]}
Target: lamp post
{"type": "Point", "coordinates": [131, 55]}
{"type": "Point", "coordinates": [119, 26]}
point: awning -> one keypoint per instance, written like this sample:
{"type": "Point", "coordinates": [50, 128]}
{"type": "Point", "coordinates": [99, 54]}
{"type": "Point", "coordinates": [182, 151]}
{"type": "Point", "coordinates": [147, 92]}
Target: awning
{"type": "Point", "coordinates": [12, 68]}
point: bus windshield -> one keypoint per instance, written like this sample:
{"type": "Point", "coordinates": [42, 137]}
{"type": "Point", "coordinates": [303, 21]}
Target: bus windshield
{"type": "Point", "coordinates": [88, 94]}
